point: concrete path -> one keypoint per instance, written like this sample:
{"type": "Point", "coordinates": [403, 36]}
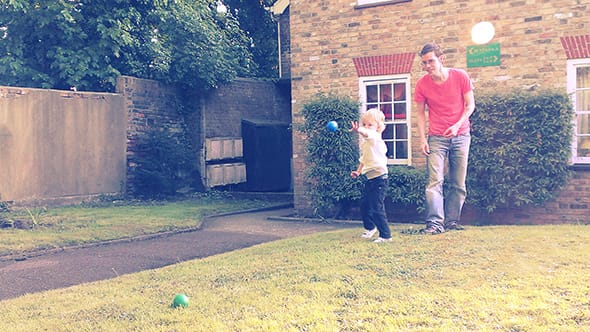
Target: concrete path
{"type": "Point", "coordinates": [218, 235]}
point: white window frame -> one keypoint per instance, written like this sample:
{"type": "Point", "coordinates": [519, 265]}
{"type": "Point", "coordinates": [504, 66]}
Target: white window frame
{"type": "Point", "coordinates": [572, 65]}
{"type": "Point", "coordinates": [405, 78]}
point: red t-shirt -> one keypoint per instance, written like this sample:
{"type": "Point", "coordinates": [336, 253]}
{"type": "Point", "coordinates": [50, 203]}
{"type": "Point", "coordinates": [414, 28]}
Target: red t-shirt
{"type": "Point", "coordinates": [445, 102]}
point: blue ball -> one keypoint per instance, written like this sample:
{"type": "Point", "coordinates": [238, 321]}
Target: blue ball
{"type": "Point", "coordinates": [332, 126]}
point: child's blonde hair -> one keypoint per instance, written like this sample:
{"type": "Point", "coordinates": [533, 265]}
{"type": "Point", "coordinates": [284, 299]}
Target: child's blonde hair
{"type": "Point", "coordinates": [374, 114]}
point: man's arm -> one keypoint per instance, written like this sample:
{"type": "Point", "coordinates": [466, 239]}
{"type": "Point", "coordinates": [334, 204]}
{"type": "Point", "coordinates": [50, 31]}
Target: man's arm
{"type": "Point", "coordinates": [421, 116]}
{"type": "Point", "coordinates": [468, 108]}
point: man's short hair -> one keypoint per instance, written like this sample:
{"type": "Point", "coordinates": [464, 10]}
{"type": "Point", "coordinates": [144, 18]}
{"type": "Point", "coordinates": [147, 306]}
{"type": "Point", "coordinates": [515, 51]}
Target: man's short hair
{"type": "Point", "coordinates": [431, 47]}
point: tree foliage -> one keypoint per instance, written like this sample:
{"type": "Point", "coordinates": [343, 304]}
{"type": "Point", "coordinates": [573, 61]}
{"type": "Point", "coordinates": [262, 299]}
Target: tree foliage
{"type": "Point", "coordinates": [257, 22]}
{"type": "Point", "coordinates": [88, 43]}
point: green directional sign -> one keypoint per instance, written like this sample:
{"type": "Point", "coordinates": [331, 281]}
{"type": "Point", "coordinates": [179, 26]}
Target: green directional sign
{"type": "Point", "coordinates": [483, 55]}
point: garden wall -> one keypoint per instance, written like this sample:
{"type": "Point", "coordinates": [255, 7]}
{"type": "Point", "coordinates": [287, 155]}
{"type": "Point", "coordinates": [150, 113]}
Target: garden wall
{"type": "Point", "coordinates": [149, 106]}
{"type": "Point", "coordinates": [60, 144]}
{"type": "Point", "coordinates": [64, 146]}
{"type": "Point", "coordinates": [215, 117]}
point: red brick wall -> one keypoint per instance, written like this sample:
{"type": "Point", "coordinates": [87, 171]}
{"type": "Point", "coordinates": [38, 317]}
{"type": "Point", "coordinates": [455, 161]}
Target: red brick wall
{"type": "Point", "coordinates": [152, 105]}
{"type": "Point", "coordinates": [326, 37]}
{"type": "Point", "coordinates": [285, 47]}
{"type": "Point", "coordinates": [225, 107]}
{"type": "Point", "coordinates": [576, 47]}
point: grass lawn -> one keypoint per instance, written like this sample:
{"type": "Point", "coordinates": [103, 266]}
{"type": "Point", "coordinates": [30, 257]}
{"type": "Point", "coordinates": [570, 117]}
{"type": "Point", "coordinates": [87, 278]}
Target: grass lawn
{"type": "Point", "coordinates": [110, 220]}
{"type": "Point", "coordinates": [495, 278]}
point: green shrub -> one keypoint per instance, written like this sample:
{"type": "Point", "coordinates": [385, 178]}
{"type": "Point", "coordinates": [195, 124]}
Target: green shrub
{"type": "Point", "coordinates": [406, 187]}
{"type": "Point", "coordinates": [519, 153]}
{"type": "Point", "coordinates": [521, 144]}
{"type": "Point", "coordinates": [3, 206]}
{"type": "Point", "coordinates": [331, 155]}
{"type": "Point", "coordinates": [164, 164]}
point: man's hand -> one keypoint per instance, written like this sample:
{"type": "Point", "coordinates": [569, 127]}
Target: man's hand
{"type": "Point", "coordinates": [425, 148]}
{"type": "Point", "coordinates": [452, 131]}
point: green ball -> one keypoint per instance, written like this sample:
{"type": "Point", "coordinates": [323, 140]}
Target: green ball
{"type": "Point", "coordinates": [180, 300]}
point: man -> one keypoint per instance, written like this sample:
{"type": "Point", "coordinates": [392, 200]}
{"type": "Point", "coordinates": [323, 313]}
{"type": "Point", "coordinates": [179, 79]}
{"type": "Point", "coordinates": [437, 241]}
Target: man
{"type": "Point", "coordinates": [448, 95]}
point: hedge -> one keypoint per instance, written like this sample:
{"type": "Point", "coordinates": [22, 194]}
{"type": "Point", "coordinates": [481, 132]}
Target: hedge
{"type": "Point", "coordinates": [520, 150]}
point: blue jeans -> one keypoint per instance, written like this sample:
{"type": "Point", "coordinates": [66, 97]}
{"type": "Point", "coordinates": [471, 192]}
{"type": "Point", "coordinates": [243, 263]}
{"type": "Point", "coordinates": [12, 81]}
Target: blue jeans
{"type": "Point", "coordinates": [373, 206]}
{"type": "Point", "coordinates": [446, 209]}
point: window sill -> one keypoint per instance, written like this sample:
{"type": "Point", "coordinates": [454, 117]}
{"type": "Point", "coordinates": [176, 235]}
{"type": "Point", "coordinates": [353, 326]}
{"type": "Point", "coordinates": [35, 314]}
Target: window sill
{"type": "Point", "coordinates": [399, 162]}
{"type": "Point", "coordinates": [580, 167]}
{"type": "Point", "coordinates": [379, 3]}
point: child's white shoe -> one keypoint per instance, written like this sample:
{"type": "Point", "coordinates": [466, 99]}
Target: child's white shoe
{"type": "Point", "coordinates": [380, 240]}
{"type": "Point", "coordinates": [369, 234]}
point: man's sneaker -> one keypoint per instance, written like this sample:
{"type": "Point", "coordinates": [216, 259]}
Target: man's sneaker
{"type": "Point", "coordinates": [369, 234]}
{"type": "Point", "coordinates": [454, 227]}
{"type": "Point", "coordinates": [431, 230]}
{"type": "Point", "coordinates": [380, 240]}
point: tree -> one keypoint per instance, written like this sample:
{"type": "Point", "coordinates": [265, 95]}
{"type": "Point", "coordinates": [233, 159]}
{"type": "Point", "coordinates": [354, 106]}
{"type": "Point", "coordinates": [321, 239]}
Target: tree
{"type": "Point", "coordinates": [257, 22]}
{"type": "Point", "coordinates": [87, 44]}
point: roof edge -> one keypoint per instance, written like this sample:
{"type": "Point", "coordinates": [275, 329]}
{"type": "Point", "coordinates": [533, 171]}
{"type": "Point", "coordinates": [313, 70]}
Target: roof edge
{"type": "Point", "coordinates": [279, 7]}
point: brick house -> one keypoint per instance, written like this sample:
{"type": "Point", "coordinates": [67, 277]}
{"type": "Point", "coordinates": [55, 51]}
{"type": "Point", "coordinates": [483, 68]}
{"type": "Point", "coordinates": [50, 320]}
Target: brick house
{"type": "Point", "coordinates": [368, 48]}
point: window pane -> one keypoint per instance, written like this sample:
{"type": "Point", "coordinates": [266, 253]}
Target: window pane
{"type": "Point", "coordinates": [583, 124]}
{"type": "Point", "coordinates": [400, 92]}
{"type": "Point", "coordinates": [584, 146]}
{"type": "Point", "coordinates": [388, 134]}
{"type": "Point", "coordinates": [369, 106]}
{"type": "Point", "coordinates": [386, 94]}
{"type": "Point", "coordinates": [582, 77]}
{"type": "Point", "coordinates": [401, 150]}
{"type": "Point", "coordinates": [386, 109]}
{"type": "Point", "coordinates": [583, 135]}
{"type": "Point", "coordinates": [372, 94]}
{"type": "Point", "coordinates": [399, 111]}
{"type": "Point", "coordinates": [401, 131]}
{"type": "Point", "coordinates": [583, 100]}
{"type": "Point", "coordinates": [390, 150]}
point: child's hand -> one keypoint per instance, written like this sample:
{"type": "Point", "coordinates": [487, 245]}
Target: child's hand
{"type": "Point", "coordinates": [356, 127]}
{"type": "Point", "coordinates": [354, 174]}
